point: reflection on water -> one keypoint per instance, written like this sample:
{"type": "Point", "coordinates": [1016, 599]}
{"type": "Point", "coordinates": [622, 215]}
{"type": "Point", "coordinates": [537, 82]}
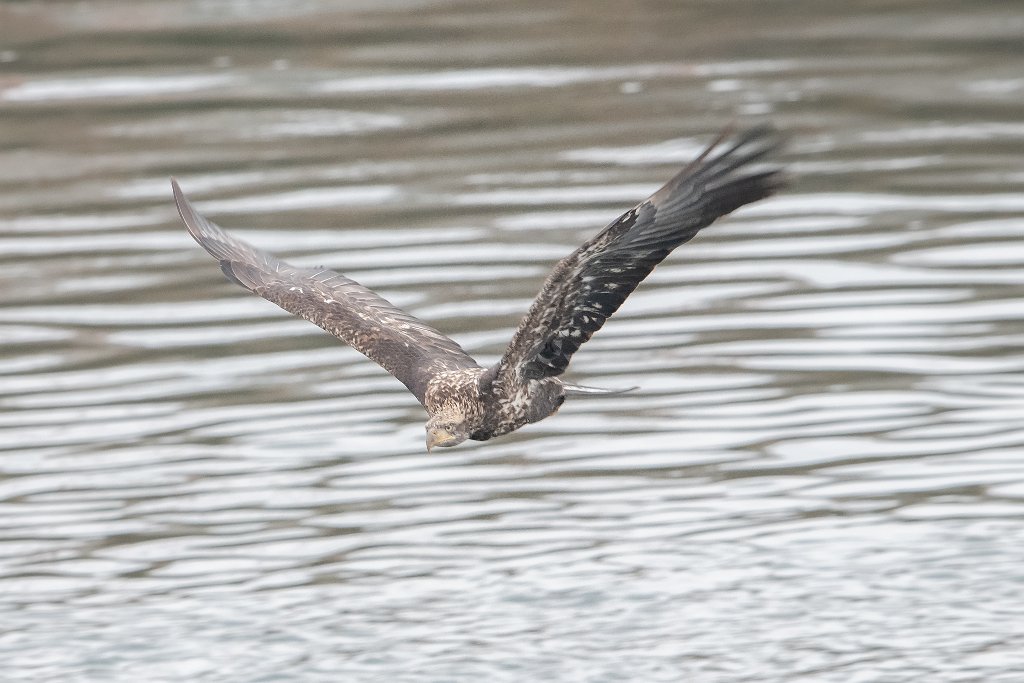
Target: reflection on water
{"type": "Point", "coordinates": [820, 478]}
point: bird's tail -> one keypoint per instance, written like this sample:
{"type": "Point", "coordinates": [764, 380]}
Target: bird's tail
{"type": "Point", "coordinates": [580, 390]}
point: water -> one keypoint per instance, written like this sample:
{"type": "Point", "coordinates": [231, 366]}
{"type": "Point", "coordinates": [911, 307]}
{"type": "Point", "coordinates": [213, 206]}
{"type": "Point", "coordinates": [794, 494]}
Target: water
{"type": "Point", "coordinates": [820, 479]}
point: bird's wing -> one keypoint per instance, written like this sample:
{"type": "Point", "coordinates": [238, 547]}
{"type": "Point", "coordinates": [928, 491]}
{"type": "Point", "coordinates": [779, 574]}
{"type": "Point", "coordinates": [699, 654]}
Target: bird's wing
{"type": "Point", "coordinates": [589, 285]}
{"type": "Point", "coordinates": [409, 349]}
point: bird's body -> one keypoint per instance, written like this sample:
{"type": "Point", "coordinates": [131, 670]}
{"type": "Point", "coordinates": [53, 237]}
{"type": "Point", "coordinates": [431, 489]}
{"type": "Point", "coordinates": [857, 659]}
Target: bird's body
{"type": "Point", "coordinates": [463, 399]}
{"type": "Point", "coordinates": [488, 407]}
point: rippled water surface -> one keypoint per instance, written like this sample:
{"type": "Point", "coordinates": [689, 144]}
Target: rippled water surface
{"type": "Point", "coordinates": [821, 477]}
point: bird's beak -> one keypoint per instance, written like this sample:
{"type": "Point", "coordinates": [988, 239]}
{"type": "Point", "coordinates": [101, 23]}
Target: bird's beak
{"type": "Point", "coordinates": [437, 437]}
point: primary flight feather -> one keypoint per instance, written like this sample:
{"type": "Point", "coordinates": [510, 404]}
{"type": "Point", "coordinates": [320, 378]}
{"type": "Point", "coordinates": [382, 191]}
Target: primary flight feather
{"type": "Point", "coordinates": [463, 399]}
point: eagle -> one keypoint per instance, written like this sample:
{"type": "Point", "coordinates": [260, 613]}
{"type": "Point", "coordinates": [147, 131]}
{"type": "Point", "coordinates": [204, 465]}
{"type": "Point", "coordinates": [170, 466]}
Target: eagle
{"type": "Point", "coordinates": [463, 399]}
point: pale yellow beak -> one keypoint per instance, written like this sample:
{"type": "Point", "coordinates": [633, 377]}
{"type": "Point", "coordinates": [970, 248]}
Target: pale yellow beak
{"type": "Point", "coordinates": [437, 437]}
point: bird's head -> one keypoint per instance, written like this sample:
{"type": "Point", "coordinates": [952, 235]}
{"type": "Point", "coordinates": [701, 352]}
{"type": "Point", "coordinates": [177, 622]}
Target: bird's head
{"type": "Point", "coordinates": [446, 428]}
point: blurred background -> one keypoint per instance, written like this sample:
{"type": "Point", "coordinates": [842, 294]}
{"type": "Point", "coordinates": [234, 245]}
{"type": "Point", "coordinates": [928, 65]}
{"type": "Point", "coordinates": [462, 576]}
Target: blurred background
{"type": "Point", "coordinates": [821, 477]}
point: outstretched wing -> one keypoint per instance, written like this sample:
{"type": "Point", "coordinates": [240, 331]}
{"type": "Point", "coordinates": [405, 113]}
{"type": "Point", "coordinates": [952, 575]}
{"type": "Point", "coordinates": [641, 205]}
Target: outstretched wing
{"type": "Point", "coordinates": [409, 349]}
{"type": "Point", "coordinates": [590, 284]}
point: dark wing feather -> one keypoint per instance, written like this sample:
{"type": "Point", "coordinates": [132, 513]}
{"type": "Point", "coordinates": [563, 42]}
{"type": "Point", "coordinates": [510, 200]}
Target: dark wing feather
{"type": "Point", "coordinates": [590, 284]}
{"type": "Point", "coordinates": [409, 349]}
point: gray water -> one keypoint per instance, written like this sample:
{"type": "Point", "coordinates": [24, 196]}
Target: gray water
{"type": "Point", "coordinates": [821, 477]}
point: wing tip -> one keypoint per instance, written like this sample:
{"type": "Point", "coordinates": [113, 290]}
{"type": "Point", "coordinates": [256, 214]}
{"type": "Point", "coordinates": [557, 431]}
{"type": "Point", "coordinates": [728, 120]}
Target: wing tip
{"type": "Point", "coordinates": [730, 175]}
{"type": "Point", "coordinates": [206, 234]}
{"type": "Point", "coordinates": [180, 201]}
{"type": "Point", "coordinates": [212, 238]}
{"type": "Point", "coordinates": [189, 216]}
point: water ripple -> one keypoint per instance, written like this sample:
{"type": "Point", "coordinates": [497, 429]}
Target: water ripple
{"type": "Point", "coordinates": [821, 460]}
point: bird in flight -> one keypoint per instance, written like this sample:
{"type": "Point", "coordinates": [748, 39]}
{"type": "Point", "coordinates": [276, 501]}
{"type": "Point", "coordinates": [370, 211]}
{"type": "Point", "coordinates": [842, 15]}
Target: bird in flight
{"type": "Point", "coordinates": [463, 399]}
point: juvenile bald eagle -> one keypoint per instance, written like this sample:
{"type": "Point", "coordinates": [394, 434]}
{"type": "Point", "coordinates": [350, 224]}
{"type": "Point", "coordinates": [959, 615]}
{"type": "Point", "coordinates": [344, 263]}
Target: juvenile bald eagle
{"type": "Point", "coordinates": [463, 399]}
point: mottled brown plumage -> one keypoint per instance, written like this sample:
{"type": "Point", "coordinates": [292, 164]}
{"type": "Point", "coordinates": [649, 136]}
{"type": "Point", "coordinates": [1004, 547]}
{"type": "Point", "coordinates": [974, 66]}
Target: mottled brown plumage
{"type": "Point", "coordinates": [463, 399]}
